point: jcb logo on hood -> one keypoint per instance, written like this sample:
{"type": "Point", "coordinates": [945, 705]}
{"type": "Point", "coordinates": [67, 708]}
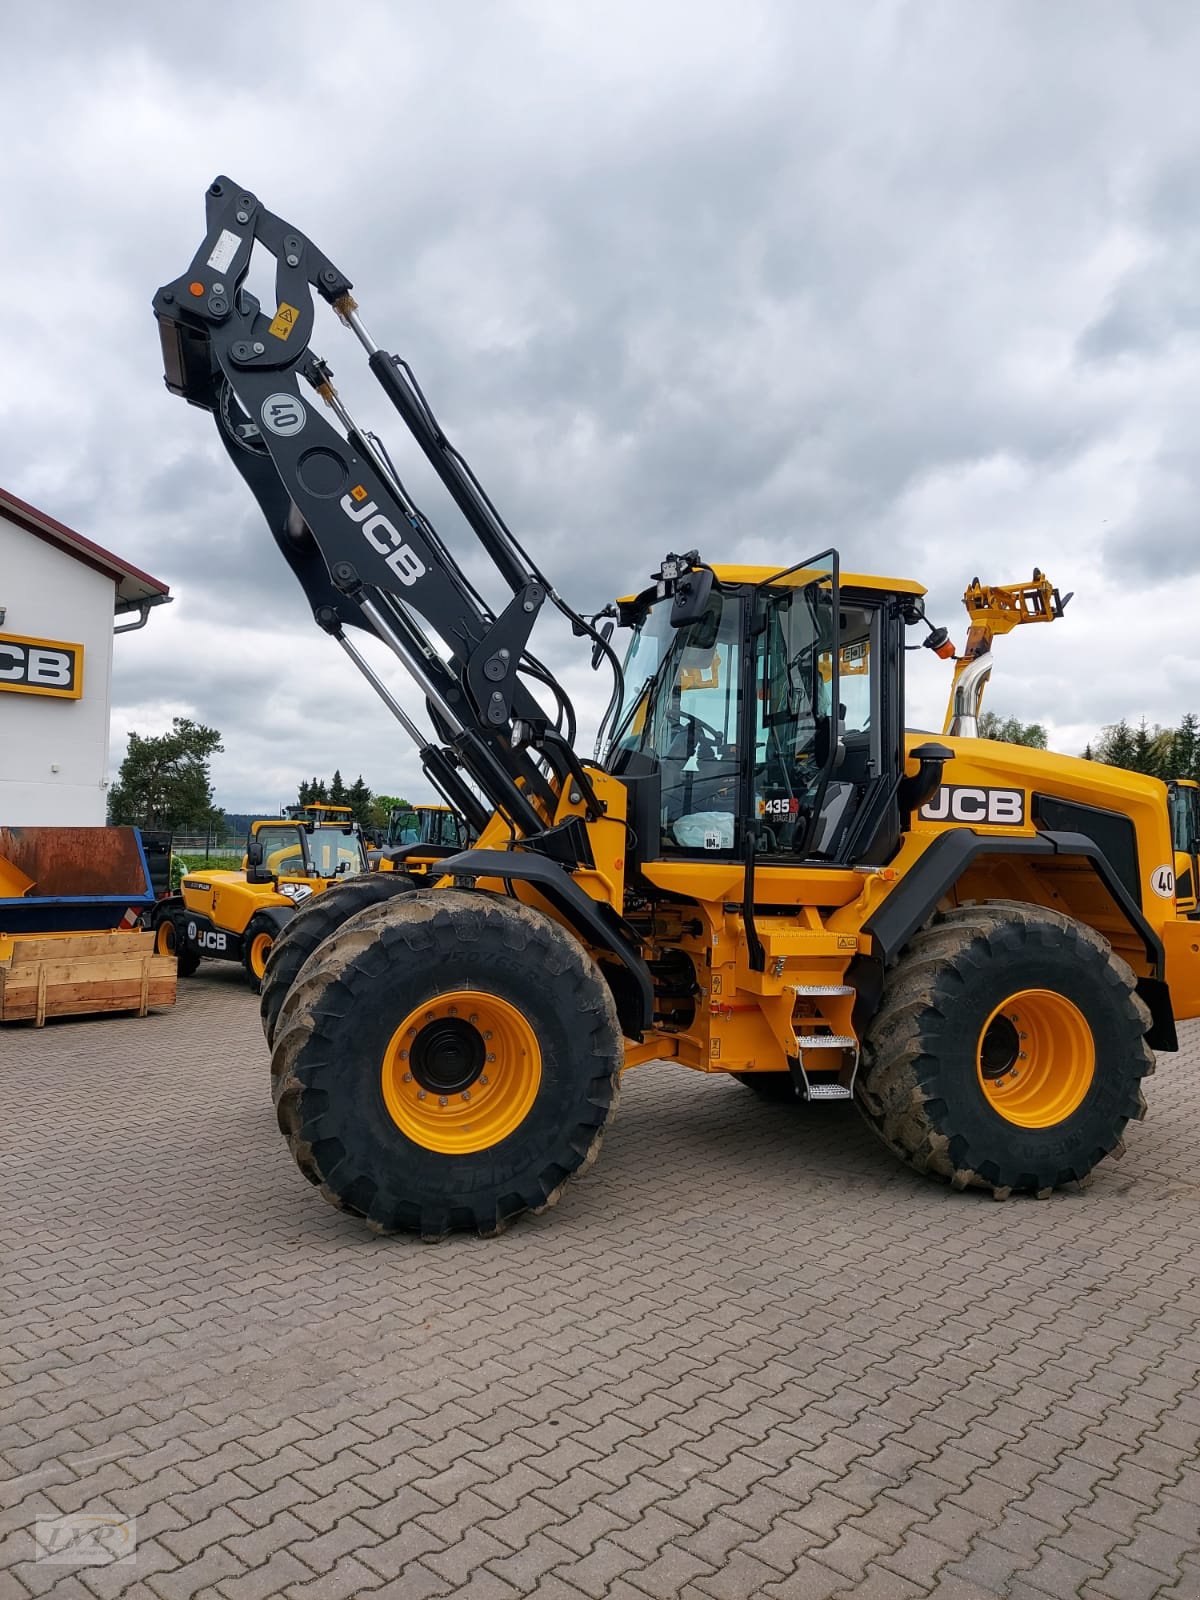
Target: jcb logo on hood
{"type": "Point", "coordinates": [960, 802]}
{"type": "Point", "coordinates": [383, 537]}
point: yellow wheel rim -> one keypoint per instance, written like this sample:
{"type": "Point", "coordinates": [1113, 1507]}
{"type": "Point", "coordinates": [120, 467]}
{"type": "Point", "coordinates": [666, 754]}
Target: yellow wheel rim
{"type": "Point", "coordinates": [1036, 1058]}
{"type": "Point", "coordinates": [164, 939]}
{"type": "Point", "coordinates": [260, 949]}
{"type": "Point", "coordinates": [461, 1072]}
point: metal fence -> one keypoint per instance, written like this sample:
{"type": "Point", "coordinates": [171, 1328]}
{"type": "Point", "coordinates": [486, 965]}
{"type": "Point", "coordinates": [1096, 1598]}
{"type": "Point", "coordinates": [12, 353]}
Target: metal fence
{"type": "Point", "coordinates": [212, 844]}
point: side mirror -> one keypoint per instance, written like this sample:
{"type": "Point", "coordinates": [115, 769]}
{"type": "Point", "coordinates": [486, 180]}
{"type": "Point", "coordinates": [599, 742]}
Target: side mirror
{"type": "Point", "coordinates": [925, 782]}
{"type": "Point", "coordinates": [690, 600]}
{"type": "Point", "coordinates": [606, 633]}
{"type": "Point", "coordinates": [255, 855]}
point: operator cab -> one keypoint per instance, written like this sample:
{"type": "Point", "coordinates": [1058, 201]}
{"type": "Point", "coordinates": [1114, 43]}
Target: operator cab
{"type": "Point", "coordinates": [304, 850]}
{"type": "Point", "coordinates": [803, 668]}
{"type": "Point", "coordinates": [431, 824]}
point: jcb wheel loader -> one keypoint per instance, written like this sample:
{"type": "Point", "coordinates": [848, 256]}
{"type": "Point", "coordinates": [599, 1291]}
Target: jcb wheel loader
{"type": "Point", "coordinates": [763, 874]}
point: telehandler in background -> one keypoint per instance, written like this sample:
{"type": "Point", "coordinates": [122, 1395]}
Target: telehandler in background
{"type": "Point", "coordinates": [237, 916]}
{"type": "Point", "coordinates": [762, 875]}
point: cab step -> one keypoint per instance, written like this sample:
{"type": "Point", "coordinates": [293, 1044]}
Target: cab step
{"type": "Point", "coordinates": [830, 1091]}
{"type": "Point", "coordinates": [826, 1041]}
{"type": "Point", "coordinates": [807, 989]}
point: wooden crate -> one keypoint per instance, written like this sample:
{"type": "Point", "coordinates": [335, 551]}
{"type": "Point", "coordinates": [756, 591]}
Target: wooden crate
{"type": "Point", "coordinates": [71, 975]}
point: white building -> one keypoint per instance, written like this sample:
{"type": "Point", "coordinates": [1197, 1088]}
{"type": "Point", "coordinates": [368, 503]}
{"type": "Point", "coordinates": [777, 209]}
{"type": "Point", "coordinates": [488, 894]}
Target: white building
{"type": "Point", "coordinates": [59, 595]}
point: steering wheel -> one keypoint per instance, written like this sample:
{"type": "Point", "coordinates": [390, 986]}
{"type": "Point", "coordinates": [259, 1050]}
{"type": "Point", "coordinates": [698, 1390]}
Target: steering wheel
{"type": "Point", "coordinates": [712, 736]}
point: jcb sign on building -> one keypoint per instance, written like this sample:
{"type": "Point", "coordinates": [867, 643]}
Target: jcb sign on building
{"type": "Point", "coordinates": [41, 666]}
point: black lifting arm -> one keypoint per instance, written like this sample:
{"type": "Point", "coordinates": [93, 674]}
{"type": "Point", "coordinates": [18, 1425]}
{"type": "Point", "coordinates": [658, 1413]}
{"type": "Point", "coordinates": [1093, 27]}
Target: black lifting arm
{"type": "Point", "coordinates": [363, 552]}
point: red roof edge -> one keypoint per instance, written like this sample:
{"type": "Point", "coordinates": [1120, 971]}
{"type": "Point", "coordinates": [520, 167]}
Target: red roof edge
{"type": "Point", "coordinates": [92, 554]}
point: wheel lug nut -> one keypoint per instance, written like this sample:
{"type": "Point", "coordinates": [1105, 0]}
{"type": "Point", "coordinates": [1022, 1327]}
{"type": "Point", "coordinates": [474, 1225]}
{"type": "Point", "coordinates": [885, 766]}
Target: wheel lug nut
{"type": "Point", "coordinates": [483, 1077]}
{"type": "Point", "coordinates": [442, 1101]}
{"type": "Point", "coordinates": [474, 1017]}
{"type": "Point", "coordinates": [408, 1077]}
{"type": "Point", "coordinates": [487, 1036]}
{"type": "Point", "coordinates": [491, 1057]}
{"type": "Point", "coordinates": [420, 1094]}
{"type": "Point", "coordinates": [453, 1011]}
{"type": "Point", "coordinates": [404, 1055]}
{"type": "Point", "coordinates": [1021, 1056]}
{"type": "Point", "coordinates": [466, 1094]}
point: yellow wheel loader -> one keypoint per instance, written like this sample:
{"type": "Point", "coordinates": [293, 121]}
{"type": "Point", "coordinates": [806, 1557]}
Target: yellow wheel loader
{"type": "Point", "coordinates": [758, 871]}
{"type": "Point", "coordinates": [419, 838]}
{"type": "Point", "coordinates": [238, 916]}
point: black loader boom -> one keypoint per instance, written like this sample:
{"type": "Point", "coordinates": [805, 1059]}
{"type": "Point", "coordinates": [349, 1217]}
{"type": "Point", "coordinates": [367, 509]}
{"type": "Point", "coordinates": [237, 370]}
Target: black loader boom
{"type": "Point", "coordinates": [364, 553]}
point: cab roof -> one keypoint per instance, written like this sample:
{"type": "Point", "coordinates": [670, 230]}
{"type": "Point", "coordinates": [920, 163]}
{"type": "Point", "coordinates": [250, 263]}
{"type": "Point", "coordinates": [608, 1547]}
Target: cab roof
{"type": "Point", "coordinates": [730, 573]}
{"type": "Point", "coordinates": [849, 580]}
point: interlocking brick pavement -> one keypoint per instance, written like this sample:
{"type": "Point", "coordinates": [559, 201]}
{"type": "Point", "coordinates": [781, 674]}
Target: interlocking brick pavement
{"type": "Point", "coordinates": [748, 1355]}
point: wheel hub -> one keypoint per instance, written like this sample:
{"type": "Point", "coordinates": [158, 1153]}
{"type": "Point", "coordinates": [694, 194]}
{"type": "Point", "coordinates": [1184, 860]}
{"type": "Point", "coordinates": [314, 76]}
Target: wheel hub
{"type": "Point", "coordinates": [447, 1055]}
{"type": "Point", "coordinates": [999, 1049]}
{"type": "Point", "coordinates": [461, 1072]}
{"type": "Point", "coordinates": [1036, 1058]}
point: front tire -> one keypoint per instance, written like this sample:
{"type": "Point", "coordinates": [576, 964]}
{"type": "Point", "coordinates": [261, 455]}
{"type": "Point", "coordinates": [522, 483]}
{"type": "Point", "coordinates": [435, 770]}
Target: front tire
{"type": "Point", "coordinates": [447, 1061]}
{"type": "Point", "coordinates": [1007, 1052]}
{"type": "Point", "coordinates": [257, 943]}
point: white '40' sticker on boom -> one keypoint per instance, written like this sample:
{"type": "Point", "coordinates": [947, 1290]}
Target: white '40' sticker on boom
{"type": "Point", "coordinates": [382, 536]}
{"type": "Point", "coordinates": [960, 802]}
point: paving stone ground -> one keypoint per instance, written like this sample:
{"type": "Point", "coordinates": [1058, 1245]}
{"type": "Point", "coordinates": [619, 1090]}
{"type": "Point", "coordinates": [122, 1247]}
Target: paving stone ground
{"type": "Point", "coordinates": [749, 1355]}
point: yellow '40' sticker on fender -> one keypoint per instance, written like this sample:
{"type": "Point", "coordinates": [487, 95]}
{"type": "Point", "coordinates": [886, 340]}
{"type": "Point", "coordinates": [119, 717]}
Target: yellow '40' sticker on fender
{"type": "Point", "coordinates": [1162, 881]}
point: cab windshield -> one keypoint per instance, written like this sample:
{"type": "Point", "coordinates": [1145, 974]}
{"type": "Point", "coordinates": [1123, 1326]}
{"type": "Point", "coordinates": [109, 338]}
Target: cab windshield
{"type": "Point", "coordinates": [336, 853]}
{"type": "Point", "coordinates": [685, 707]}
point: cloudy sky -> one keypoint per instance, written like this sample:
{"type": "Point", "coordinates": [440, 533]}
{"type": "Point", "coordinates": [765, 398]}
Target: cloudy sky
{"type": "Point", "coordinates": [920, 278]}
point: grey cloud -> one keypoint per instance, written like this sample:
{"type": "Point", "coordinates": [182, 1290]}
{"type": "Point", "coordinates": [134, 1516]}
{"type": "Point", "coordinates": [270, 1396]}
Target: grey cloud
{"type": "Point", "coordinates": [753, 280]}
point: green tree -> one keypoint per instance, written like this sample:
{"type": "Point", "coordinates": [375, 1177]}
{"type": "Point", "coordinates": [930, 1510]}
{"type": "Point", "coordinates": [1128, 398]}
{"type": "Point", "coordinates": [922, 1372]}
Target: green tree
{"type": "Point", "coordinates": [1185, 748]}
{"type": "Point", "coordinates": [338, 794]}
{"type": "Point", "coordinates": [358, 798]}
{"type": "Point", "coordinates": [1088, 754]}
{"type": "Point", "coordinates": [164, 780]}
{"type": "Point", "coordinates": [1011, 730]}
{"type": "Point", "coordinates": [1115, 746]}
{"type": "Point", "coordinates": [382, 806]}
{"type": "Point", "coordinates": [1146, 757]}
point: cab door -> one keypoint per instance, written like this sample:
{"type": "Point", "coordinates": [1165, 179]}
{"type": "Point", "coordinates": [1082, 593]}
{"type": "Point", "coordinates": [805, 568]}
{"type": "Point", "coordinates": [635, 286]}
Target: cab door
{"type": "Point", "coordinates": [1183, 801]}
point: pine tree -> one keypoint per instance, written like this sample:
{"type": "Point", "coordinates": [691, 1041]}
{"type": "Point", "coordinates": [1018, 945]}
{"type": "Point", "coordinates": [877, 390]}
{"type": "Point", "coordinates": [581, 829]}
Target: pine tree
{"type": "Point", "coordinates": [359, 799]}
{"type": "Point", "coordinates": [1116, 745]}
{"type": "Point", "coordinates": [1145, 757]}
{"type": "Point", "coordinates": [1087, 752]}
{"type": "Point", "coordinates": [1185, 747]}
{"type": "Point", "coordinates": [337, 790]}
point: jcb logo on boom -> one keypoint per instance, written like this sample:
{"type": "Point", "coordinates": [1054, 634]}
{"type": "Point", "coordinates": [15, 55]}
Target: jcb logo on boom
{"type": "Point", "coordinates": [383, 537]}
{"type": "Point", "coordinates": [960, 802]}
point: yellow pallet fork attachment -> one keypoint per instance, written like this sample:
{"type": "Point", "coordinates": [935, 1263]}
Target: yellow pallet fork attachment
{"type": "Point", "coordinates": [994, 609]}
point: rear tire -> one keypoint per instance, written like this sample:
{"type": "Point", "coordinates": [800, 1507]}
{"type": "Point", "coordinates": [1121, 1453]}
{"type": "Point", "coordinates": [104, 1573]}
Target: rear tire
{"type": "Point", "coordinates": [447, 1061]}
{"type": "Point", "coordinates": [311, 926]}
{"type": "Point", "coordinates": [1007, 1052]}
{"type": "Point", "coordinates": [169, 940]}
